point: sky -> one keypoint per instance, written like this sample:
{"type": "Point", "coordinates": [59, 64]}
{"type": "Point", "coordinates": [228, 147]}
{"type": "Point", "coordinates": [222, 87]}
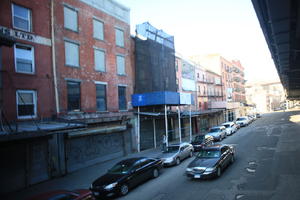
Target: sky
{"type": "Point", "coordinates": [228, 27]}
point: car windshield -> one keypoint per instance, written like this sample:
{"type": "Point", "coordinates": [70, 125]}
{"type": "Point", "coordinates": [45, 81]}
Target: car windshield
{"type": "Point", "coordinates": [214, 129]}
{"type": "Point", "coordinates": [120, 168]}
{"type": "Point", "coordinates": [240, 119]}
{"type": "Point", "coordinates": [226, 125]}
{"type": "Point", "coordinates": [199, 138]}
{"type": "Point", "coordinates": [171, 149]}
{"type": "Point", "coordinates": [208, 153]}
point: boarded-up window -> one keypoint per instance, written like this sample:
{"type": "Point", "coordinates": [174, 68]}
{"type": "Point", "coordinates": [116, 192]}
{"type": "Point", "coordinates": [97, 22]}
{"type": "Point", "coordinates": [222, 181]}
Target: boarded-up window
{"type": "Point", "coordinates": [99, 56]}
{"type": "Point", "coordinates": [98, 29]}
{"type": "Point", "coordinates": [101, 97]}
{"type": "Point", "coordinates": [122, 98]}
{"type": "Point", "coordinates": [70, 19]}
{"type": "Point", "coordinates": [73, 89]}
{"type": "Point", "coordinates": [72, 54]}
{"type": "Point", "coordinates": [119, 38]}
{"type": "Point", "coordinates": [121, 65]}
{"type": "Point", "coordinates": [24, 59]}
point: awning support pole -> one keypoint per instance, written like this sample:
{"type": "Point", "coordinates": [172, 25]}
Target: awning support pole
{"type": "Point", "coordinates": [191, 124]}
{"type": "Point", "coordinates": [179, 123]}
{"type": "Point", "coordinates": [138, 131]}
{"type": "Point", "coordinates": [166, 126]}
{"type": "Point", "coordinates": [154, 133]}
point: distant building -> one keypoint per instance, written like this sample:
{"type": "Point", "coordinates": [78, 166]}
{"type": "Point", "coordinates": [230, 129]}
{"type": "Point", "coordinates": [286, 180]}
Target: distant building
{"type": "Point", "coordinates": [265, 97]}
{"type": "Point", "coordinates": [232, 82]}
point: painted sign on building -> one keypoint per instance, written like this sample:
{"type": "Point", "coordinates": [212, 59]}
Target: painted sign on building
{"type": "Point", "coordinates": [25, 36]}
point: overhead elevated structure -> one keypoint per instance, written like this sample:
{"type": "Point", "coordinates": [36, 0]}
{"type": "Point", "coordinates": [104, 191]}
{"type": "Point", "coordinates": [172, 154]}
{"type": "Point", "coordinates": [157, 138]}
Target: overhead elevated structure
{"type": "Point", "coordinates": [280, 22]}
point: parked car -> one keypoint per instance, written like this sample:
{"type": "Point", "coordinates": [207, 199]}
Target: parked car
{"type": "Point", "coordinates": [80, 194]}
{"type": "Point", "coordinates": [258, 115]}
{"type": "Point", "coordinates": [201, 141]}
{"type": "Point", "coordinates": [230, 127]}
{"type": "Point", "coordinates": [125, 175]}
{"type": "Point", "coordinates": [242, 121]}
{"type": "Point", "coordinates": [211, 161]}
{"type": "Point", "coordinates": [217, 132]}
{"type": "Point", "coordinates": [251, 118]}
{"type": "Point", "coordinates": [175, 153]}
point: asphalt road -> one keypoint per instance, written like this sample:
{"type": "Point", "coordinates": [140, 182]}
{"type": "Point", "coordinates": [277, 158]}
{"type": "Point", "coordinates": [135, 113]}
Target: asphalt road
{"type": "Point", "coordinates": [267, 166]}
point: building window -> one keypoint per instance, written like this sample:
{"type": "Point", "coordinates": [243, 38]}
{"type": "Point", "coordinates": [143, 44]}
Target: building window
{"type": "Point", "coordinates": [22, 18]}
{"type": "Point", "coordinates": [72, 54]}
{"type": "Point", "coordinates": [121, 65]}
{"type": "Point", "coordinates": [26, 104]}
{"type": "Point", "coordinates": [99, 58]}
{"type": "Point", "coordinates": [101, 97]}
{"type": "Point", "coordinates": [122, 98]}
{"type": "Point", "coordinates": [73, 89]}
{"type": "Point", "coordinates": [119, 37]}
{"type": "Point", "coordinates": [24, 59]}
{"type": "Point", "coordinates": [98, 29]}
{"type": "Point", "coordinates": [70, 19]}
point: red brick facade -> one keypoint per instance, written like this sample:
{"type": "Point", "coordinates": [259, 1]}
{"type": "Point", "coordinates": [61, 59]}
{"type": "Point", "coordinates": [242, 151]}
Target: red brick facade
{"type": "Point", "coordinates": [86, 73]}
{"type": "Point", "coordinates": [41, 80]}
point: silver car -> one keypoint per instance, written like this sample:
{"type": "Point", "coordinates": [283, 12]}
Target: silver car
{"type": "Point", "coordinates": [230, 127]}
{"type": "Point", "coordinates": [175, 153]}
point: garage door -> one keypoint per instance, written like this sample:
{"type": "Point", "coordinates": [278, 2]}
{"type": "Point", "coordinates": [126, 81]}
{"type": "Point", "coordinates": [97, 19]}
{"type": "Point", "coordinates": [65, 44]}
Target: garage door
{"type": "Point", "coordinates": [88, 150]}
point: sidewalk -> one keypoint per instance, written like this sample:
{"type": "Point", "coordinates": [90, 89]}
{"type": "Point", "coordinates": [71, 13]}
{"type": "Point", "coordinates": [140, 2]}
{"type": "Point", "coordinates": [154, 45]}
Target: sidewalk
{"type": "Point", "coordinates": [80, 179]}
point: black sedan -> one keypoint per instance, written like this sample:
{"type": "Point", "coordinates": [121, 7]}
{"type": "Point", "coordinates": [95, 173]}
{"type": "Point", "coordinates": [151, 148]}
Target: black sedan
{"type": "Point", "coordinates": [201, 141]}
{"type": "Point", "coordinates": [211, 161]}
{"type": "Point", "coordinates": [125, 175]}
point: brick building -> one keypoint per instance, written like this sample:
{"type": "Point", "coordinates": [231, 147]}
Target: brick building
{"type": "Point", "coordinates": [28, 91]}
{"type": "Point", "coordinates": [238, 81]}
{"type": "Point", "coordinates": [67, 85]}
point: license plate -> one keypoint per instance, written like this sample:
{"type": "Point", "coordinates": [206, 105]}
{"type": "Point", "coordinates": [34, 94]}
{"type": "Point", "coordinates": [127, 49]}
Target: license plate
{"type": "Point", "coordinates": [96, 193]}
{"type": "Point", "coordinates": [197, 176]}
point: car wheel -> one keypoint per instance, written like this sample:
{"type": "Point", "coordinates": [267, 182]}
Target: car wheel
{"type": "Point", "coordinates": [232, 159]}
{"type": "Point", "coordinates": [191, 154]}
{"type": "Point", "coordinates": [124, 189]}
{"type": "Point", "coordinates": [219, 172]}
{"type": "Point", "coordinates": [177, 161]}
{"type": "Point", "coordinates": [155, 173]}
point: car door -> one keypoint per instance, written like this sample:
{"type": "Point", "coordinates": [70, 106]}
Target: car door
{"type": "Point", "coordinates": [223, 158]}
{"type": "Point", "coordinates": [187, 150]}
{"type": "Point", "coordinates": [136, 175]}
{"type": "Point", "coordinates": [144, 169]}
{"type": "Point", "coordinates": [225, 155]}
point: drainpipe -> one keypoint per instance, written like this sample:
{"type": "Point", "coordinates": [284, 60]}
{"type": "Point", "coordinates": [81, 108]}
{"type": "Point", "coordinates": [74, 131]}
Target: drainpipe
{"type": "Point", "coordinates": [53, 59]}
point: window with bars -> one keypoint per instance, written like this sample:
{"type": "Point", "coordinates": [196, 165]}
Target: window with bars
{"type": "Point", "coordinates": [122, 98]}
{"type": "Point", "coordinates": [73, 92]}
{"type": "Point", "coordinates": [101, 97]}
{"type": "Point", "coordinates": [24, 59]}
{"type": "Point", "coordinates": [21, 18]}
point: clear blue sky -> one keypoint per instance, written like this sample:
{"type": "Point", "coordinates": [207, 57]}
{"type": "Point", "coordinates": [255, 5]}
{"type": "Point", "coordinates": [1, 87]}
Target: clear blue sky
{"type": "Point", "coordinates": [228, 27]}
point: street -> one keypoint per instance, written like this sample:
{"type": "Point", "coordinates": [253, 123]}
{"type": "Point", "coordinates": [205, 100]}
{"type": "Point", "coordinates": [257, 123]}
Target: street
{"type": "Point", "coordinates": [266, 167]}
